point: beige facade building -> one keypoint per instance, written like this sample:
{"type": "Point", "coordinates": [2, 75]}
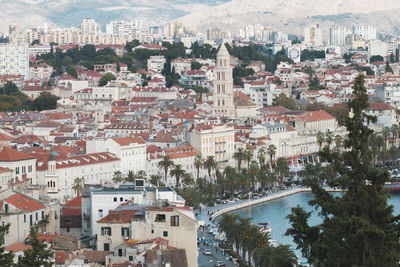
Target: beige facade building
{"type": "Point", "coordinates": [177, 225]}
{"type": "Point", "coordinates": [214, 140]}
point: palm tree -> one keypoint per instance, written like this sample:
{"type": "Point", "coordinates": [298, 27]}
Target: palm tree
{"type": "Point", "coordinates": [386, 134]}
{"type": "Point", "coordinates": [338, 142]}
{"type": "Point", "coordinates": [271, 151]}
{"type": "Point", "coordinates": [248, 155]}
{"type": "Point", "coordinates": [117, 178]}
{"type": "Point", "coordinates": [393, 153]}
{"type": "Point", "coordinates": [261, 157]}
{"type": "Point", "coordinates": [282, 167]}
{"type": "Point", "coordinates": [220, 179]}
{"type": "Point", "coordinates": [231, 180]}
{"type": "Point", "coordinates": [198, 163]}
{"type": "Point", "coordinates": [177, 172]}
{"type": "Point", "coordinates": [320, 139]}
{"type": "Point", "coordinates": [395, 129]}
{"type": "Point", "coordinates": [375, 143]}
{"type": "Point", "coordinates": [210, 164]}
{"type": "Point", "coordinates": [165, 163]}
{"type": "Point", "coordinates": [271, 178]}
{"type": "Point", "coordinates": [228, 225]}
{"type": "Point", "coordinates": [155, 180]}
{"type": "Point", "coordinates": [77, 187]}
{"type": "Point", "coordinates": [253, 170]}
{"type": "Point", "coordinates": [329, 138]}
{"type": "Point", "coordinates": [187, 179]}
{"type": "Point", "coordinates": [141, 175]}
{"type": "Point", "coordinates": [239, 156]}
{"type": "Point", "coordinates": [281, 256]}
{"type": "Point", "coordinates": [130, 177]}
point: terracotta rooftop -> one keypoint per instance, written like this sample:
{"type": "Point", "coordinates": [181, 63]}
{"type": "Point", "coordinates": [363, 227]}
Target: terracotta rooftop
{"type": "Point", "coordinates": [9, 154]}
{"type": "Point", "coordinates": [126, 141]}
{"type": "Point", "coordinates": [23, 203]}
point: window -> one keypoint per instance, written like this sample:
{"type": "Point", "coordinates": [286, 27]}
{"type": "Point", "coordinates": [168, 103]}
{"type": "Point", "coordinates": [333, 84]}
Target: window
{"type": "Point", "coordinates": [6, 208]}
{"type": "Point", "coordinates": [152, 231]}
{"type": "Point", "coordinates": [100, 213]}
{"type": "Point", "coordinates": [130, 258]}
{"type": "Point", "coordinates": [105, 231]}
{"type": "Point", "coordinates": [125, 231]}
{"type": "Point", "coordinates": [174, 220]}
{"type": "Point", "coordinates": [42, 214]}
{"type": "Point", "coordinates": [30, 220]}
{"type": "Point", "coordinates": [16, 170]}
{"type": "Point", "coordinates": [106, 247]}
{"type": "Point", "coordinates": [165, 234]}
{"type": "Point", "coordinates": [68, 229]}
{"type": "Point", "coordinates": [23, 169]}
{"type": "Point", "coordinates": [121, 199]}
{"type": "Point", "coordinates": [115, 199]}
{"type": "Point", "coordinates": [24, 218]}
{"type": "Point", "coordinates": [36, 216]}
{"type": "Point", "coordinates": [160, 218]}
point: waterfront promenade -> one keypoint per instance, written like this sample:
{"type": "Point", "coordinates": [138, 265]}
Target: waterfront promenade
{"type": "Point", "coordinates": [246, 203]}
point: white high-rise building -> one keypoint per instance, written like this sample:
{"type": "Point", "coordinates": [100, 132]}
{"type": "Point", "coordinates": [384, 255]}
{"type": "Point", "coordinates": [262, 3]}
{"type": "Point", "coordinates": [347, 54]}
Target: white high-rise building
{"type": "Point", "coordinates": [14, 59]}
{"type": "Point", "coordinates": [128, 29]}
{"type": "Point", "coordinates": [337, 35]}
{"type": "Point", "coordinates": [90, 26]}
{"type": "Point", "coordinates": [367, 32]}
{"type": "Point", "coordinates": [223, 85]}
{"type": "Point", "coordinates": [313, 35]}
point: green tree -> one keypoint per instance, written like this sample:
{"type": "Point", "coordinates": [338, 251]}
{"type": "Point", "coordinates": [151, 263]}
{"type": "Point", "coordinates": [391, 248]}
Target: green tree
{"type": "Point", "coordinates": [320, 139]}
{"type": "Point", "coordinates": [338, 142]}
{"type": "Point", "coordinates": [106, 78]}
{"type": "Point", "coordinates": [210, 164]}
{"type": "Point", "coordinates": [77, 186]}
{"type": "Point", "coordinates": [284, 101]}
{"type": "Point", "coordinates": [198, 163]}
{"type": "Point", "coordinates": [376, 58]}
{"type": "Point", "coordinates": [117, 177]}
{"type": "Point", "coordinates": [271, 151]}
{"type": "Point", "coordinates": [165, 164]}
{"type": "Point", "coordinates": [282, 167]}
{"type": "Point", "coordinates": [178, 173]}
{"type": "Point", "coordinates": [71, 70]}
{"type": "Point", "coordinates": [239, 155]}
{"type": "Point", "coordinates": [39, 255]}
{"type": "Point", "coordinates": [45, 101]}
{"type": "Point", "coordinates": [156, 180]}
{"type": "Point", "coordinates": [358, 225]}
{"type": "Point", "coordinates": [6, 258]}
{"type": "Point", "coordinates": [261, 157]}
{"type": "Point", "coordinates": [195, 65]}
{"type": "Point", "coordinates": [388, 68]}
{"type": "Point", "coordinates": [130, 177]}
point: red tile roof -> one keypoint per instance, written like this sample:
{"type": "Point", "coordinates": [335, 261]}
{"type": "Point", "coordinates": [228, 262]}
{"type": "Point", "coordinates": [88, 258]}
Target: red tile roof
{"type": "Point", "coordinates": [118, 216]}
{"type": "Point", "coordinates": [19, 246]}
{"type": "Point", "coordinates": [126, 141]}
{"type": "Point", "coordinates": [5, 137]}
{"type": "Point", "coordinates": [75, 202]}
{"type": "Point", "coordinates": [60, 257]}
{"type": "Point", "coordinates": [317, 116]}
{"type": "Point", "coordinates": [24, 203]}
{"type": "Point", "coordinates": [9, 154]}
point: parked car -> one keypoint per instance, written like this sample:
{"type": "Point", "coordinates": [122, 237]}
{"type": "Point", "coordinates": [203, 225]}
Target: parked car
{"type": "Point", "coordinates": [207, 252]}
{"type": "Point", "coordinates": [219, 264]}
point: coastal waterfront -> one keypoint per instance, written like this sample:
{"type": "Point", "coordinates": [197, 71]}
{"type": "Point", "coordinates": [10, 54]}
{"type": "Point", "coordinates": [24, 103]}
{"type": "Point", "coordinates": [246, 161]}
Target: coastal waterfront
{"type": "Point", "coordinates": [275, 211]}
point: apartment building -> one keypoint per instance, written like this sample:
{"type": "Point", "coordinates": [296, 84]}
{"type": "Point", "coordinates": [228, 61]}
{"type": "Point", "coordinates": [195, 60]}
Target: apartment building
{"type": "Point", "coordinates": [14, 59]}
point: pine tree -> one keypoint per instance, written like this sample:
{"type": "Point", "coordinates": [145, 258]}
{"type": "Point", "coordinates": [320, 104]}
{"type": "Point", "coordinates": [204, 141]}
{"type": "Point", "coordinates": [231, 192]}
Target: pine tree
{"type": "Point", "coordinates": [39, 255]}
{"type": "Point", "coordinates": [358, 227]}
{"type": "Point", "coordinates": [6, 258]}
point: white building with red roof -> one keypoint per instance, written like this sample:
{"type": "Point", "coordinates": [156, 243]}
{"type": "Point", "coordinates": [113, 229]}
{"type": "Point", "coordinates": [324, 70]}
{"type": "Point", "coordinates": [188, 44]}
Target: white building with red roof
{"type": "Point", "coordinates": [315, 121]}
{"type": "Point", "coordinates": [130, 150]}
{"type": "Point", "coordinates": [23, 166]}
{"type": "Point", "coordinates": [22, 213]}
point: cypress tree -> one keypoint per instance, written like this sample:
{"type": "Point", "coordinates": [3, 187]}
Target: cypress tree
{"type": "Point", "coordinates": [358, 227]}
{"type": "Point", "coordinates": [39, 255]}
{"type": "Point", "coordinates": [6, 258]}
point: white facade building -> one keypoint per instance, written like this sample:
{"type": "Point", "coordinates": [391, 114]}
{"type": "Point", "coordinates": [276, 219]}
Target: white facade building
{"type": "Point", "coordinates": [313, 35]}
{"type": "Point", "coordinates": [156, 63]}
{"type": "Point", "coordinates": [337, 35]}
{"type": "Point", "coordinates": [90, 26]}
{"type": "Point", "coordinates": [367, 32]}
{"type": "Point", "coordinates": [14, 59]}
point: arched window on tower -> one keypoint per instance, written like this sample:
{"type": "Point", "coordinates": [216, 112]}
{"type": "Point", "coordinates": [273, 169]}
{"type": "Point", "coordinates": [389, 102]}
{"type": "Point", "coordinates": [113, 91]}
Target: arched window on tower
{"type": "Point", "coordinates": [225, 62]}
{"type": "Point", "coordinates": [218, 103]}
{"type": "Point", "coordinates": [223, 102]}
{"type": "Point", "coordinates": [218, 76]}
{"type": "Point", "coordinates": [220, 62]}
{"type": "Point", "coordinates": [223, 88]}
{"type": "Point", "coordinates": [223, 76]}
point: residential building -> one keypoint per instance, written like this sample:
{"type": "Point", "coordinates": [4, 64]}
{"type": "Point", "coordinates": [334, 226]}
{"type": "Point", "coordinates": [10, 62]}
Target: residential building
{"type": "Point", "coordinates": [177, 225]}
{"type": "Point", "coordinates": [22, 213]}
{"type": "Point", "coordinates": [90, 26]}
{"type": "Point", "coordinates": [313, 35]}
{"type": "Point", "coordinates": [23, 166]}
{"type": "Point", "coordinates": [97, 202]}
{"type": "Point", "coordinates": [14, 59]}
{"type": "Point", "coordinates": [389, 92]}
{"type": "Point", "coordinates": [367, 32]}
{"type": "Point", "coordinates": [156, 63]}
{"type": "Point", "coordinates": [131, 151]}
{"type": "Point", "coordinates": [314, 122]}
{"type": "Point", "coordinates": [337, 35]}
{"type": "Point", "coordinates": [214, 140]}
